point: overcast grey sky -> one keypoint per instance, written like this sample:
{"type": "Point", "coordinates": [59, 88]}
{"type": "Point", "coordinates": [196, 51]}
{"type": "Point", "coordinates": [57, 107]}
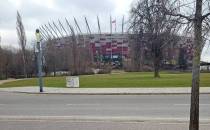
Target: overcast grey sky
{"type": "Point", "coordinates": [38, 12]}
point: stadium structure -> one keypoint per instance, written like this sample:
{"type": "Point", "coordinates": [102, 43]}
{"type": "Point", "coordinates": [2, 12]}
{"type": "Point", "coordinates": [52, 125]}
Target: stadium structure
{"type": "Point", "coordinates": [104, 46]}
{"type": "Point", "coordinates": [109, 47]}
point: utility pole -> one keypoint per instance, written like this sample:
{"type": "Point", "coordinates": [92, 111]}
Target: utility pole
{"type": "Point", "coordinates": [39, 60]}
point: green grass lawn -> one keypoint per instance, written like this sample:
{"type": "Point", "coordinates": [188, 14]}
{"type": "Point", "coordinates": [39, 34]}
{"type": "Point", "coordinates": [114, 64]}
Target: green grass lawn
{"type": "Point", "coordinates": [118, 80]}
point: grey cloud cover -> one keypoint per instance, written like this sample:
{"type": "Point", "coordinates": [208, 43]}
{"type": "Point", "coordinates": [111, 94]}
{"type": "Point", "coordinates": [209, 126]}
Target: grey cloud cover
{"type": "Point", "coordinates": [37, 12]}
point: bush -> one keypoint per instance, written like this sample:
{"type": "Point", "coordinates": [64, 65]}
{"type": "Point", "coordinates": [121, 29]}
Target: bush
{"type": "Point", "coordinates": [105, 71]}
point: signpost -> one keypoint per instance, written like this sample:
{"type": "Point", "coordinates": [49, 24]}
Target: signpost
{"type": "Point", "coordinates": [39, 60]}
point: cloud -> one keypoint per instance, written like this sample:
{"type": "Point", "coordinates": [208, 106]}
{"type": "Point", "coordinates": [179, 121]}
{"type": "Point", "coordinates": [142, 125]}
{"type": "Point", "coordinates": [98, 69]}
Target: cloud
{"type": "Point", "coordinates": [38, 12]}
{"type": "Point", "coordinates": [89, 6]}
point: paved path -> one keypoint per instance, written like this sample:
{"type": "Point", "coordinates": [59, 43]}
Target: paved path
{"type": "Point", "coordinates": [10, 80]}
{"type": "Point", "coordinates": [106, 91]}
{"type": "Point", "coordinates": [5, 81]}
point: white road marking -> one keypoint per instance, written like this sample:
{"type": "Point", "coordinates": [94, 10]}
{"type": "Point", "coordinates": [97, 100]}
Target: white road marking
{"type": "Point", "coordinates": [189, 104]}
{"type": "Point", "coordinates": [205, 124]}
{"type": "Point", "coordinates": [179, 123]}
{"type": "Point", "coordinates": [172, 123]}
{"type": "Point", "coordinates": [83, 104]}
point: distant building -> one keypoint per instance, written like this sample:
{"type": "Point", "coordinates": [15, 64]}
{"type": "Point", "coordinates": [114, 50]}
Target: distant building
{"type": "Point", "coordinates": [180, 54]}
{"type": "Point", "coordinates": [108, 47]}
{"type": "Point", "coordinates": [117, 47]}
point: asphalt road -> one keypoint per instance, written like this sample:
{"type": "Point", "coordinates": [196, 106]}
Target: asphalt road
{"type": "Point", "coordinates": [18, 111]}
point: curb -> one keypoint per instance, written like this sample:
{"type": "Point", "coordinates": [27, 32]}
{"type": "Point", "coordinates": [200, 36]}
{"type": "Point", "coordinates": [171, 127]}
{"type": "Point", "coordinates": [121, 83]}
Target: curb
{"type": "Point", "coordinates": [101, 93]}
{"type": "Point", "coordinates": [104, 91]}
{"type": "Point", "coordinates": [47, 93]}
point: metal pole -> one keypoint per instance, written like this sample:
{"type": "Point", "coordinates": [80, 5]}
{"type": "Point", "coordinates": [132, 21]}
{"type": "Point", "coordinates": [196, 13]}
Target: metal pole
{"type": "Point", "coordinates": [39, 60]}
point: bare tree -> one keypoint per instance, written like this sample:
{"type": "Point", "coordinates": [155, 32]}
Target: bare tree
{"type": "Point", "coordinates": [197, 21]}
{"type": "Point", "coordinates": [22, 42]}
{"type": "Point", "coordinates": [156, 27]}
{"type": "Point", "coordinates": [1, 63]}
{"type": "Point", "coordinates": [138, 49]}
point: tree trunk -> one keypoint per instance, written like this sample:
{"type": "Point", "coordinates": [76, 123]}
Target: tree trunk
{"type": "Point", "coordinates": [157, 57]}
{"type": "Point", "coordinates": [54, 70]}
{"type": "Point", "coordinates": [194, 109]}
{"type": "Point", "coordinates": [6, 72]}
{"type": "Point", "coordinates": [141, 66]}
{"type": "Point", "coordinates": [157, 67]}
{"type": "Point", "coordinates": [24, 65]}
{"type": "Point", "coordinates": [75, 60]}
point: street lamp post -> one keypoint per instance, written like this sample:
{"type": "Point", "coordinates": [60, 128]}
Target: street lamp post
{"type": "Point", "coordinates": [39, 60]}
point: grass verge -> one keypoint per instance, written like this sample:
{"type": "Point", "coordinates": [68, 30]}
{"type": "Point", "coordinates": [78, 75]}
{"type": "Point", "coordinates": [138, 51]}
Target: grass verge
{"type": "Point", "coordinates": [119, 80]}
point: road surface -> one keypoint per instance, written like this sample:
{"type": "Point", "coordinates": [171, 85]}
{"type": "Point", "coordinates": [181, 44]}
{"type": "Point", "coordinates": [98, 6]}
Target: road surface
{"type": "Point", "coordinates": [98, 112]}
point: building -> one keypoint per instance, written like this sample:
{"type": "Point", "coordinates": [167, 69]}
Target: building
{"type": "Point", "coordinates": [115, 48]}
{"type": "Point", "coordinates": [107, 47]}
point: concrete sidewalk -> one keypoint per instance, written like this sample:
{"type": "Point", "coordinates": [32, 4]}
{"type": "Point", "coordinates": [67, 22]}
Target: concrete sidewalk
{"type": "Point", "coordinates": [105, 91]}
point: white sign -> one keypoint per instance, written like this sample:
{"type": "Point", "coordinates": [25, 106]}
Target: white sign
{"type": "Point", "coordinates": [72, 82]}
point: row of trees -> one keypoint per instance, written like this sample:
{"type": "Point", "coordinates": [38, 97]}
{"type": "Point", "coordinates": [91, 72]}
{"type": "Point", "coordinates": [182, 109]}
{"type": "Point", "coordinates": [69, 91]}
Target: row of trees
{"type": "Point", "coordinates": [69, 57]}
{"type": "Point", "coordinates": [11, 65]}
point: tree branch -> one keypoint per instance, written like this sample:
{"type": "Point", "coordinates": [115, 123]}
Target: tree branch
{"type": "Point", "coordinates": [206, 15]}
{"type": "Point", "coordinates": [179, 15]}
